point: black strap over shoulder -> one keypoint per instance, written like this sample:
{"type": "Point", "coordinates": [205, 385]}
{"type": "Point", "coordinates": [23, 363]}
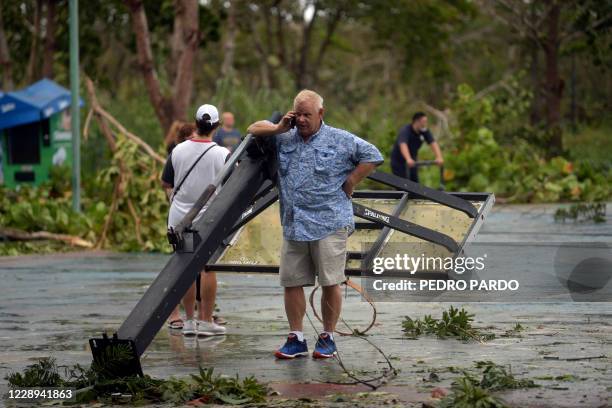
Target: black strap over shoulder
{"type": "Point", "coordinates": [178, 187]}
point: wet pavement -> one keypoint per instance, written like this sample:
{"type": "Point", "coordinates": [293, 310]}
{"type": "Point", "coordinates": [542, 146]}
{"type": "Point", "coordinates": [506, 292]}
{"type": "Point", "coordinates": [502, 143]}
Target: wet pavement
{"type": "Point", "coordinates": [51, 306]}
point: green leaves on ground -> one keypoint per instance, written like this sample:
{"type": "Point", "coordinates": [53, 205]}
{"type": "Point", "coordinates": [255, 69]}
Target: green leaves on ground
{"type": "Point", "coordinates": [454, 323]}
{"type": "Point", "coordinates": [468, 391]}
{"type": "Point", "coordinates": [515, 331]}
{"type": "Point", "coordinates": [496, 377]}
{"type": "Point", "coordinates": [582, 212]}
{"type": "Point", "coordinates": [228, 390]}
{"type": "Point", "coordinates": [465, 394]}
{"type": "Point", "coordinates": [204, 386]}
{"type": "Point", "coordinates": [43, 373]}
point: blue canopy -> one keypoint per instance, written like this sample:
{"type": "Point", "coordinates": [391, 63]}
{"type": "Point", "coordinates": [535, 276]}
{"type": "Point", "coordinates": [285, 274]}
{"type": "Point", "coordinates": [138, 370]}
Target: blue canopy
{"type": "Point", "coordinates": [32, 104]}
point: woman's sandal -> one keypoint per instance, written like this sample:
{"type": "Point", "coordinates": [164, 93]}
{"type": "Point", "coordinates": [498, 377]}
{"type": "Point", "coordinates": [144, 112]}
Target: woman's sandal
{"type": "Point", "coordinates": [176, 324]}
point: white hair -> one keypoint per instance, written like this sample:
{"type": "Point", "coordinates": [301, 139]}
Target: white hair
{"type": "Point", "coordinates": [308, 95]}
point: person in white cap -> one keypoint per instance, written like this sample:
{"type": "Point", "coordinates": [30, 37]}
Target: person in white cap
{"type": "Point", "coordinates": [191, 167]}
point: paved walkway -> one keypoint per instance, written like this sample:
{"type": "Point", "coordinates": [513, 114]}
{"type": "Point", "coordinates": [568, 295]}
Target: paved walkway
{"type": "Point", "coordinates": [51, 305]}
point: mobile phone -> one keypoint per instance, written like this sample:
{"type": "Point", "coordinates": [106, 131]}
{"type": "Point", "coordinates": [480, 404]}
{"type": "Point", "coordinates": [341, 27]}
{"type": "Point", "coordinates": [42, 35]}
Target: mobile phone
{"type": "Point", "coordinates": [293, 122]}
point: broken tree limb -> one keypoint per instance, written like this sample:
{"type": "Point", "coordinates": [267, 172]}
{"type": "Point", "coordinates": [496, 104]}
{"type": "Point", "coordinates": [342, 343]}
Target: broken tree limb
{"type": "Point", "coordinates": [131, 136]}
{"type": "Point", "coordinates": [502, 83]}
{"type": "Point", "coordinates": [109, 216]}
{"type": "Point", "coordinates": [15, 234]}
{"type": "Point", "coordinates": [105, 122]}
{"type": "Point", "coordinates": [103, 114]}
{"type": "Point", "coordinates": [136, 220]}
{"type": "Point", "coordinates": [442, 117]}
{"type": "Point", "coordinates": [87, 123]}
{"type": "Point", "coordinates": [95, 105]}
{"type": "Point", "coordinates": [574, 358]}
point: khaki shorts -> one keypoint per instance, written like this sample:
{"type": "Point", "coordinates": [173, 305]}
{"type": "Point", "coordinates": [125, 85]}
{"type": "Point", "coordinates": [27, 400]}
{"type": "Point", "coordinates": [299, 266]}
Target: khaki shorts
{"type": "Point", "coordinates": [302, 261]}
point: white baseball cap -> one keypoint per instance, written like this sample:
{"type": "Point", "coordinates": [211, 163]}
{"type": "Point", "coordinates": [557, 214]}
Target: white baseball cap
{"type": "Point", "coordinates": [210, 110]}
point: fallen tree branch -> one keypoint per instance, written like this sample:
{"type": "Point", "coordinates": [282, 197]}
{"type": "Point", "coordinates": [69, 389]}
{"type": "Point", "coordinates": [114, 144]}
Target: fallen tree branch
{"type": "Point", "coordinates": [136, 220]}
{"type": "Point", "coordinates": [131, 136]}
{"type": "Point", "coordinates": [121, 183]}
{"type": "Point", "coordinates": [109, 216]}
{"type": "Point", "coordinates": [15, 234]}
{"type": "Point", "coordinates": [574, 358]}
{"type": "Point", "coordinates": [502, 83]}
{"type": "Point", "coordinates": [95, 105]}
{"type": "Point", "coordinates": [103, 114]}
{"type": "Point", "coordinates": [87, 123]}
{"type": "Point", "coordinates": [442, 117]}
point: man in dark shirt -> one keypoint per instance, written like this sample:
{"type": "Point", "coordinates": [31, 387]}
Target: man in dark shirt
{"type": "Point", "coordinates": [406, 148]}
{"type": "Point", "coordinates": [227, 136]}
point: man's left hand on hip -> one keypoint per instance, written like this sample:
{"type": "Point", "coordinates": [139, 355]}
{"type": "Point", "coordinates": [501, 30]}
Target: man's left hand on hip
{"type": "Point", "coordinates": [348, 187]}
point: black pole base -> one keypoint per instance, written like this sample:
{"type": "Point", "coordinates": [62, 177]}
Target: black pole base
{"type": "Point", "coordinates": [114, 357]}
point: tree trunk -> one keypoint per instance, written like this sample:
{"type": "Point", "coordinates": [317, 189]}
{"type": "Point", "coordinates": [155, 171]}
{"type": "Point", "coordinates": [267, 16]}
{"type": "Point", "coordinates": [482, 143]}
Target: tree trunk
{"type": "Point", "coordinates": [332, 24]}
{"type": "Point", "coordinates": [280, 35]}
{"type": "Point", "coordinates": [183, 83]}
{"type": "Point", "coordinates": [268, 41]}
{"type": "Point", "coordinates": [177, 45]}
{"type": "Point", "coordinates": [534, 73]}
{"type": "Point", "coordinates": [534, 70]}
{"type": "Point", "coordinates": [554, 84]}
{"type": "Point", "coordinates": [573, 101]}
{"type": "Point", "coordinates": [301, 76]}
{"type": "Point", "coordinates": [5, 57]}
{"type": "Point", "coordinates": [264, 69]}
{"type": "Point", "coordinates": [31, 72]}
{"type": "Point", "coordinates": [229, 44]}
{"type": "Point", "coordinates": [50, 42]}
{"type": "Point", "coordinates": [185, 44]}
{"type": "Point", "coordinates": [162, 106]}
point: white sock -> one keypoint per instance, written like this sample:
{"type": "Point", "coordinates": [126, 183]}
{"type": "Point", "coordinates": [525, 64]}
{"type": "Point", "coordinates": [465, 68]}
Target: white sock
{"type": "Point", "coordinates": [330, 334]}
{"type": "Point", "coordinates": [299, 334]}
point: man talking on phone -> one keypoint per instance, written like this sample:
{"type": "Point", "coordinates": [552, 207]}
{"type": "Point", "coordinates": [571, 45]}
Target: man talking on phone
{"type": "Point", "coordinates": [319, 167]}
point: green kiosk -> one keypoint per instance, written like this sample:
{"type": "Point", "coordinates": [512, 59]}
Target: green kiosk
{"type": "Point", "coordinates": [34, 133]}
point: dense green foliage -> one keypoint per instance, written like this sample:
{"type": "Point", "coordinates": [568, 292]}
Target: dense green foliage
{"type": "Point", "coordinates": [49, 207]}
{"type": "Point", "coordinates": [485, 151]}
{"type": "Point", "coordinates": [478, 69]}
{"type": "Point", "coordinates": [491, 150]}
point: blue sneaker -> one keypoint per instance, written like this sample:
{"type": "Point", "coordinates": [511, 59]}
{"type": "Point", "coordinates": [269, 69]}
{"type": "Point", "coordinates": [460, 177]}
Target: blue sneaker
{"type": "Point", "coordinates": [325, 347]}
{"type": "Point", "coordinates": [293, 348]}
